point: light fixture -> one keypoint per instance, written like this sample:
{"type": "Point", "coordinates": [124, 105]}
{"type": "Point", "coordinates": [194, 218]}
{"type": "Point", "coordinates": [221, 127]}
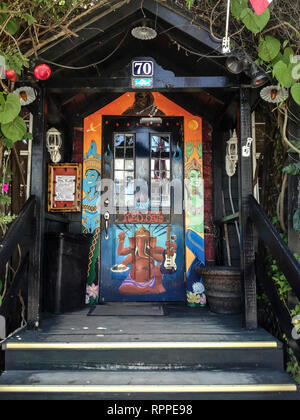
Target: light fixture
{"type": "Point", "coordinates": [236, 65]}
{"type": "Point", "coordinates": [150, 120]}
{"type": "Point", "coordinates": [42, 72]}
{"type": "Point", "coordinates": [144, 32]}
{"type": "Point", "coordinates": [258, 78]}
{"type": "Point", "coordinates": [231, 158]}
{"type": "Point", "coordinates": [53, 143]}
{"type": "Point", "coordinates": [11, 75]}
{"type": "Point", "coordinates": [274, 94]}
{"type": "Point", "coordinates": [26, 94]}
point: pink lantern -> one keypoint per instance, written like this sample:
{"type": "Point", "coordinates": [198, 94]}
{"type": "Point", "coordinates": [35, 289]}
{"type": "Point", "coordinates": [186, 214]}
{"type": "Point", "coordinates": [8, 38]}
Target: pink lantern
{"type": "Point", "coordinates": [11, 75]}
{"type": "Point", "coordinates": [42, 72]}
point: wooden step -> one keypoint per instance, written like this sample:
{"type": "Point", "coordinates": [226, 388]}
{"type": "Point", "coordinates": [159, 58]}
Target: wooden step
{"type": "Point", "coordinates": [102, 354]}
{"type": "Point", "coordinates": [136, 385]}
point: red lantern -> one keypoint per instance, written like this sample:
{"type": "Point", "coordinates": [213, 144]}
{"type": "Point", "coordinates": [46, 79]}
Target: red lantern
{"type": "Point", "coordinates": [42, 72]}
{"type": "Point", "coordinates": [11, 75]}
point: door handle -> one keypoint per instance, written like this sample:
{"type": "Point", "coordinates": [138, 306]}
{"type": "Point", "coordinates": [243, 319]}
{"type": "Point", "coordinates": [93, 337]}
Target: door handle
{"type": "Point", "coordinates": [106, 221]}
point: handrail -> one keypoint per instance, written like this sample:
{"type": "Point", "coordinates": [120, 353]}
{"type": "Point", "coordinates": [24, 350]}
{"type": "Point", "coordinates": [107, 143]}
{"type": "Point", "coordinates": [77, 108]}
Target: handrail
{"type": "Point", "coordinates": [287, 263]}
{"type": "Point", "coordinates": [16, 231]}
{"type": "Point", "coordinates": [20, 236]}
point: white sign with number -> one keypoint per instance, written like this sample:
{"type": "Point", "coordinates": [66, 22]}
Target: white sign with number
{"type": "Point", "coordinates": [142, 68]}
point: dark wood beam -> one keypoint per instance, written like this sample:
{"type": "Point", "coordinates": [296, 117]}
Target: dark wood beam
{"type": "Point", "coordinates": [246, 226]}
{"type": "Point", "coordinates": [38, 188]}
{"type": "Point", "coordinates": [106, 18]}
{"type": "Point", "coordinates": [124, 84]}
{"type": "Point", "coordinates": [91, 28]}
{"type": "Point", "coordinates": [183, 21]}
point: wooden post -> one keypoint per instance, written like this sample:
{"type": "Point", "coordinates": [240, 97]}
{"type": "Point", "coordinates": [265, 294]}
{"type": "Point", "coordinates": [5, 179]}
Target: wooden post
{"type": "Point", "coordinates": [247, 237]}
{"type": "Point", "coordinates": [38, 188]}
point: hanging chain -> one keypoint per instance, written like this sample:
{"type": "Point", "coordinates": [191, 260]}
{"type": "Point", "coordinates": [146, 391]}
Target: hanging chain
{"type": "Point", "coordinates": [226, 39]}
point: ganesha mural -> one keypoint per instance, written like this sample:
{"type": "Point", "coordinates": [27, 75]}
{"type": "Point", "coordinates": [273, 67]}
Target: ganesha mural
{"type": "Point", "coordinates": [146, 261]}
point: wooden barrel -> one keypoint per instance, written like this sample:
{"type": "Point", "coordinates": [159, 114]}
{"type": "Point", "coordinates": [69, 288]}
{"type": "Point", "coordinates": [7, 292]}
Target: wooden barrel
{"type": "Point", "coordinates": [223, 288]}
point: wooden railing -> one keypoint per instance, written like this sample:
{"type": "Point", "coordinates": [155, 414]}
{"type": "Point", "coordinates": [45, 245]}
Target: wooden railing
{"type": "Point", "coordinates": [15, 250]}
{"type": "Point", "coordinates": [286, 263]}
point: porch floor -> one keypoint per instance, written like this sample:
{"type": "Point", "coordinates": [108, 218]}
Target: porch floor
{"type": "Point", "coordinates": [180, 324]}
{"type": "Point", "coordinates": [190, 353]}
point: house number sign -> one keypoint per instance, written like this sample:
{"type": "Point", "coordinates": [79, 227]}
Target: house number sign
{"type": "Point", "coordinates": [142, 68]}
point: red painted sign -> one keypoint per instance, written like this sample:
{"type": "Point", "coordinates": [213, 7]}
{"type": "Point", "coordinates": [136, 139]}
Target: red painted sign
{"type": "Point", "coordinates": [141, 218]}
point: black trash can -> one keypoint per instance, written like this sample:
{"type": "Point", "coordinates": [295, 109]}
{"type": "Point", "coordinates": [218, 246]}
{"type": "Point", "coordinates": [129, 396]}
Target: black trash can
{"type": "Point", "coordinates": [66, 265]}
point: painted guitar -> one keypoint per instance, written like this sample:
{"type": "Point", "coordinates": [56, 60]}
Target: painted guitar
{"type": "Point", "coordinates": [168, 265]}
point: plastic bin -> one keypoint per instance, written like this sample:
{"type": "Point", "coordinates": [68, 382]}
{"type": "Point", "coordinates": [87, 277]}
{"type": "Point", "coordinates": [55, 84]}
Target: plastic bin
{"type": "Point", "coordinates": [66, 265]}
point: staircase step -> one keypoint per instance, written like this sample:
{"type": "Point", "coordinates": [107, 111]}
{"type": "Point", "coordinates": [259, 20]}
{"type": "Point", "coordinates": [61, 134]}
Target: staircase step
{"type": "Point", "coordinates": [162, 385]}
{"type": "Point", "coordinates": [101, 355]}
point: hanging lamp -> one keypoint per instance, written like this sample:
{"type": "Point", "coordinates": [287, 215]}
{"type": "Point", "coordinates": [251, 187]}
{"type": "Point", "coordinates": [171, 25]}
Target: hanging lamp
{"type": "Point", "coordinates": [144, 31]}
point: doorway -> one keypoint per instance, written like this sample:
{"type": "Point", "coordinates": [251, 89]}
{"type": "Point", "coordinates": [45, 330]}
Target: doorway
{"type": "Point", "coordinates": [142, 253]}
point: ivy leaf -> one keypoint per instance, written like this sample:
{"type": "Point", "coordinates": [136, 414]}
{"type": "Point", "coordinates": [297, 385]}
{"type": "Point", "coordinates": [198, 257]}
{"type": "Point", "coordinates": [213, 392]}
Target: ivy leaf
{"type": "Point", "coordinates": [283, 74]}
{"type": "Point", "coordinates": [295, 92]}
{"type": "Point", "coordinates": [279, 57]}
{"type": "Point", "coordinates": [189, 3]}
{"type": "Point", "coordinates": [268, 48]}
{"type": "Point", "coordinates": [287, 54]}
{"type": "Point", "coordinates": [292, 169]}
{"type": "Point", "coordinates": [12, 26]}
{"type": "Point", "coordinates": [29, 19]}
{"type": "Point", "coordinates": [296, 220]}
{"type": "Point", "coordinates": [10, 109]}
{"type": "Point", "coordinates": [253, 22]}
{"type": "Point", "coordinates": [8, 143]}
{"type": "Point", "coordinates": [237, 6]}
{"type": "Point", "coordinates": [15, 129]}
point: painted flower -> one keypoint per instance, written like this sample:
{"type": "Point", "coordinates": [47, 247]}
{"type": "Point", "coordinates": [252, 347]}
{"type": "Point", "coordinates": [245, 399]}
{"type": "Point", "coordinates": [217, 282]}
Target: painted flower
{"type": "Point", "coordinates": [92, 291]}
{"type": "Point", "coordinates": [5, 187]}
{"type": "Point", "coordinates": [193, 297]}
{"type": "Point", "coordinates": [202, 299]}
{"type": "Point", "coordinates": [198, 287]}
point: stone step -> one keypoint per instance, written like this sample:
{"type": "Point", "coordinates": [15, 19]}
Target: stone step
{"type": "Point", "coordinates": [148, 385]}
{"type": "Point", "coordinates": [60, 354]}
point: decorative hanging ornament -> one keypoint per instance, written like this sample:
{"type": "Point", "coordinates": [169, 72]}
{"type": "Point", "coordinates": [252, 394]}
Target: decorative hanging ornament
{"type": "Point", "coordinates": [26, 94]}
{"type": "Point", "coordinates": [42, 72]}
{"type": "Point", "coordinates": [144, 33]}
{"type": "Point", "coordinates": [274, 94]}
{"type": "Point", "coordinates": [11, 75]}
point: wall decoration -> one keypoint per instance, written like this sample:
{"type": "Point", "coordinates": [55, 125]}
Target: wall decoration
{"type": "Point", "coordinates": [152, 104]}
{"type": "Point", "coordinates": [145, 258]}
{"type": "Point", "coordinates": [194, 220]}
{"type": "Point", "coordinates": [91, 214]}
{"type": "Point", "coordinates": [64, 187]}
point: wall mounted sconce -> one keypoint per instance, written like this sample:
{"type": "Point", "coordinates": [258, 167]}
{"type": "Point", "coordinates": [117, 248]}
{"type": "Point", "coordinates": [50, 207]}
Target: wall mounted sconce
{"type": "Point", "coordinates": [231, 158]}
{"type": "Point", "coordinates": [53, 143]}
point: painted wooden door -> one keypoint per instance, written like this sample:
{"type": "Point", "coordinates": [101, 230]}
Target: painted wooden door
{"type": "Point", "coordinates": [142, 223]}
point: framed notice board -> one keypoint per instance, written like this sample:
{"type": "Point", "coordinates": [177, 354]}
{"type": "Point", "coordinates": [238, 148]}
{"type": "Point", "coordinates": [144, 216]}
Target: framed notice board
{"type": "Point", "coordinates": [64, 187]}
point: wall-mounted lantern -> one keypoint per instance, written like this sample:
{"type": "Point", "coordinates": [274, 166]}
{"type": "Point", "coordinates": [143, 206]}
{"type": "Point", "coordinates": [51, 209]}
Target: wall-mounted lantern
{"type": "Point", "coordinates": [53, 143]}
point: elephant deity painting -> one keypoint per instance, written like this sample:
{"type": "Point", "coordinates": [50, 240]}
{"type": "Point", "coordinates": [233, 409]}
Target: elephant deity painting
{"type": "Point", "coordinates": [146, 263]}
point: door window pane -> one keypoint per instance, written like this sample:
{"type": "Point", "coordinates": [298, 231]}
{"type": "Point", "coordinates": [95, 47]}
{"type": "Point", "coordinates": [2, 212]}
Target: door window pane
{"type": "Point", "coordinates": [124, 169]}
{"type": "Point", "coordinates": [160, 170]}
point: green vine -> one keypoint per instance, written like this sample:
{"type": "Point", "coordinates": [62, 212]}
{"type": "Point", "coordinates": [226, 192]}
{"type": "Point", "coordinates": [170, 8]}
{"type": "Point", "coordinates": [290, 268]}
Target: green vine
{"type": "Point", "coordinates": [283, 289]}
